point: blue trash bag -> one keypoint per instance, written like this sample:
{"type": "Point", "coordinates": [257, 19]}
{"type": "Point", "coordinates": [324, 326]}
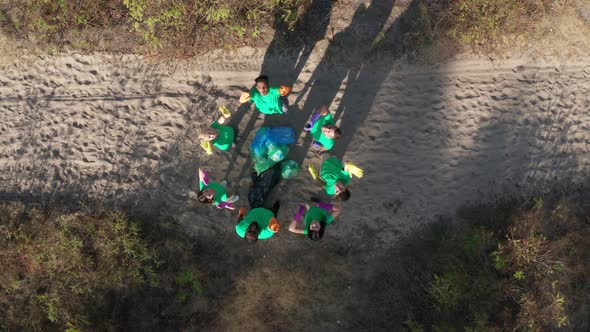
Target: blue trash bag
{"type": "Point", "coordinates": [270, 147]}
{"type": "Point", "coordinates": [258, 145]}
{"type": "Point", "coordinates": [281, 136]}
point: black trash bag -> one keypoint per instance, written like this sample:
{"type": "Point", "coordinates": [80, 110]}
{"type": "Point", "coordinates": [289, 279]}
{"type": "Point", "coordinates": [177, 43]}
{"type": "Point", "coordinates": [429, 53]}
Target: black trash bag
{"type": "Point", "coordinates": [262, 185]}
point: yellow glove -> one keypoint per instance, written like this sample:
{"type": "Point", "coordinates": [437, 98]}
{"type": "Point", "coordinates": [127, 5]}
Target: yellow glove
{"type": "Point", "coordinates": [224, 111]}
{"type": "Point", "coordinates": [313, 172]}
{"type": "Point", "coordinates": [354, 170]}
{"type": "Point", "coordinates": [207, 147]}
{"type": "Point", "coordinates": [245, 97]}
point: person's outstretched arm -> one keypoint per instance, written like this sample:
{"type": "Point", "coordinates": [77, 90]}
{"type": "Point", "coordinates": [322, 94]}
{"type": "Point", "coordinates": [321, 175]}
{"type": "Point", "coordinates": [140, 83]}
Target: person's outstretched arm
{"type": "Point", "coordinates": [297, 226]}
{"type": "Point", "coordinates": [203, 178]}
{"type": "Point", "coordinates": [336, 210]}
{"type": "Point", "coordinates": [225, 205]}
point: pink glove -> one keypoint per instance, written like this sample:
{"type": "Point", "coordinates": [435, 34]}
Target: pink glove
{"type": "Point", "coordinates": [326, 206]}
{"type": "Point", "coordinates": [225, 205]}
{"type": "Point", "coordinates": [300, 213]}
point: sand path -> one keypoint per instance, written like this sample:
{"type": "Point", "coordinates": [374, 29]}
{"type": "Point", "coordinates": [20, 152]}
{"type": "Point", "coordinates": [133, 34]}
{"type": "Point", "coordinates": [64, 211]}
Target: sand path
{"type": "Point", "coordinates": [118, 130]}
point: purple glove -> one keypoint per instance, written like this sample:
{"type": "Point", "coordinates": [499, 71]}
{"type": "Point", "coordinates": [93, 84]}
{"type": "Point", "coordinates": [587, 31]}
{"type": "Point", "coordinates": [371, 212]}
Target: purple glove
{"type": "Point", "coordinates": [299, 213]}
{"type": "Point", "coordinates": [316, 144]}
{"type": "Point", "coordinates": [314, 117]}
{"type": "Point", "coordinates": [225, 205]}
{"type": "Point", "coordinates": [326, 206]}
{"type": "Point", "coordinates": [205, 178]}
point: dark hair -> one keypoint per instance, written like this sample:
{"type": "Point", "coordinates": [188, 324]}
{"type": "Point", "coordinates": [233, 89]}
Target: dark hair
{"type": "Point", "coordinates": [337, 133]}
{"type": "Point", "coordinates": [344, 195]}
{"type": "Point", "coordinates": [251, 235]}
{"type": "Point", "coordinates": [203, 199]}
{"type": "Point", "coordinates": [317, 235]}
{"type": "Point", "coordinates": [262, 78]}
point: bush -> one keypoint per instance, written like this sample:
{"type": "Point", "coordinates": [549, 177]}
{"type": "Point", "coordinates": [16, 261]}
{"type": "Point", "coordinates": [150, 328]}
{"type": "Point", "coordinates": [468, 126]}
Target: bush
{"type": "Point", "coordinates": [57, 268]}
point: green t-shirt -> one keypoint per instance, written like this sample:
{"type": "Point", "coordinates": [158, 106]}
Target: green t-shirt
{"type": "Point", "coordinates": [268, 104]}
{"type": "Point", "coordinates": [319, 214]}
{"type": "Point", "coordinates": [220, 194]}
{"type": "Point", "coordinates": [332, 171]}
{"type": "Point", "coordinates": [262, 217]}
{"type": "Point", "coordinates": [225, 138]}
{"type": "Point", "coordinates": [318, 135]}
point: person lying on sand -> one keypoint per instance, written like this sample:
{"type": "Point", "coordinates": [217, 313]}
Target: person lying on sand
{"type": "Point", "coordinates": [268, 100]}
{"type": "Point", "coordinates": [259, 223]}
{"type": "Point", "coordinates": [336, 176]}
{"type": "Point", "coordinates": [315, 221]}
{"type": "Point", "coordinates": [214, 193]}
{"type": "Point", "coordinates": [322, 129]}
{"type": "Point", "coordinates": [219, 135]}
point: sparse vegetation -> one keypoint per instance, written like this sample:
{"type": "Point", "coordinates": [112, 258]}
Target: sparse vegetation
{"type": "Point", "coordinates": [71, 271]}
{"type": "Point", "coordinates": [56, 266]}
{"type": "Point", "coordinates": [179, 27]}
{"type": "Point", "coordinates": [446, 27]}
{"type": "Point", "coordinates": [486, 23]}
{"type": "Point", "coordinates": [504, 268]}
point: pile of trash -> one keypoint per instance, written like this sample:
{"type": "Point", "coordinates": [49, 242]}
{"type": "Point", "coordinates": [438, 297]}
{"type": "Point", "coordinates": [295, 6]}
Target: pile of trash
{"type": "Point", "coordinates": [270, 147]}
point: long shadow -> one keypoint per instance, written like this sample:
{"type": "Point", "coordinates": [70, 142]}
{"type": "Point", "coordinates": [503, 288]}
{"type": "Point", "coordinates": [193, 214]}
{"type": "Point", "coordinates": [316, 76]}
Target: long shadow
{"type": "Point", "coordinates": [283, 62]}
{"type": "Point", "coordinates": [338, 64]}
{"type": "Point", "coordinates": [289, 51]}
{"type": "Point", "coordinates": [508, 135]}
{"type": "Point", "coordinates": [343, 63]}
{"type": "Point", "coordinates": [528, 146]}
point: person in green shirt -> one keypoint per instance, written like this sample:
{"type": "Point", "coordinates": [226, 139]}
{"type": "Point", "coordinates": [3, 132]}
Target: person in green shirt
{"type": "Point", "coordinates": [267, 99]}
{"type": "Point", "coordinates": [214, 193]}
{"type": "Point", "coordinates": [316, 219]}
{"type": "Point", "coordinates": [335, 177]}
{"type": "Point", "coordinates": [220, 135]}
{"type": "Point", "coordinates": [259, 223]}
{"type": "Point", "coordinates": [322, 129]}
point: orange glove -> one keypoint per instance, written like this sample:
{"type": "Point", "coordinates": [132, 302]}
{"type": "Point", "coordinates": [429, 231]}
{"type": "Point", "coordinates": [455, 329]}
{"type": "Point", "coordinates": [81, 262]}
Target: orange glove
{"type": "Point", "coordinates": [284, 90]}
{"type": "Point", "coordinates": [274, 225]}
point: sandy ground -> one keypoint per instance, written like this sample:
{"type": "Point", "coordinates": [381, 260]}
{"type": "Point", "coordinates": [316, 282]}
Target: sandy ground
{"type": "Point", "coordinates": [118, 130]}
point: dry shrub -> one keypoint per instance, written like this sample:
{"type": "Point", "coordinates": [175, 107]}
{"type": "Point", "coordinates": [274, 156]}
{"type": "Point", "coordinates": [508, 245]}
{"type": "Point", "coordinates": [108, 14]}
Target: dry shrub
{"type": "Point", "coordinates": [544, 278]}
{"type": "Point", "coordinates": [485, 22]}
{"type": "Point", "coordinates": [57, 268]}
{"type": "Point", "coordinates": [483, 25]}
{"type": "Point", "coordinates": [503, 269]}
{"type": "Point", "coordinates": [538, 278]}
